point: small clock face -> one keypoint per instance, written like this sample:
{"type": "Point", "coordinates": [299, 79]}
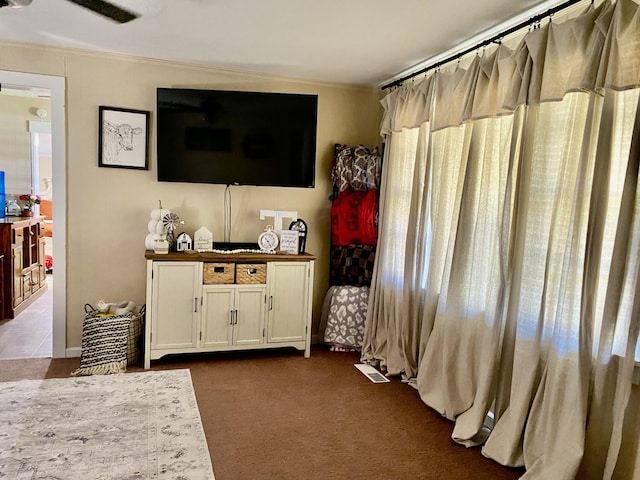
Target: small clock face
{"type": "Point", "coordinates": [299, 225]}
{"type": "Point", "coordinates": [268, 241]}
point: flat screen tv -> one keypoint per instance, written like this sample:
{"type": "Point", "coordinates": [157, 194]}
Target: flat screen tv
{"type": "Point", "coordinates": [236, 138]}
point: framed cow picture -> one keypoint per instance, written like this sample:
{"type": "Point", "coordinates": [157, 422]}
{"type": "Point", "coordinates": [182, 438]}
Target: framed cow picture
{"type": "Point", "coordinates": [123, 138]}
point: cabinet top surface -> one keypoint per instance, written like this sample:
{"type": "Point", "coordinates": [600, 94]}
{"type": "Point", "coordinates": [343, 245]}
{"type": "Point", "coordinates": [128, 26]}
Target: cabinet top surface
{"type": "Point", "coordinates": [228, 257]}
{"type": "Point", "coordinates": [20, 221]}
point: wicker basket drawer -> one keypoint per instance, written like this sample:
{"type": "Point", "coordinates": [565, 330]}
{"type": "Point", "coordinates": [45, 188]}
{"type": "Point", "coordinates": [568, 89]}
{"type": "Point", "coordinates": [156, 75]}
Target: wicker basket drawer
{"type": "Point", "coordinates": [218, 273]}
{"type": "Point", "coordinates": [251, 273]}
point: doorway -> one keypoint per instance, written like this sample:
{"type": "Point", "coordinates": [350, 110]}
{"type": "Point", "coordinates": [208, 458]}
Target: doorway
{"type": "Point", "coordinates": [30, 332]}
{"type": "Point", "coordinates": [56, 87]}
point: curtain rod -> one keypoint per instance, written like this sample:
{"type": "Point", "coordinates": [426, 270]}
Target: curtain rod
{"type": "Point", "coordinates": [494, 39]}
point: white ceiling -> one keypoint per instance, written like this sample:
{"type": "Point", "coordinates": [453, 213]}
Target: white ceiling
{"type": "Point", "coordinates": [348, 41]}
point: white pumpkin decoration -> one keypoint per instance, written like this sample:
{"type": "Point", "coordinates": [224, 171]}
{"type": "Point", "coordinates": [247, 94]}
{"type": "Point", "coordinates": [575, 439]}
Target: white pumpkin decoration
{"type": "Point", "coordinates": [156, 229]}
{"type": "Point", "coordinates": [150, 240]}
{"type": "Point", "coordinates": [151, 226]}
{"type": "Point", "coordinates": [160, 229]}
{"type": "Point", "coordinates": [158, 213]}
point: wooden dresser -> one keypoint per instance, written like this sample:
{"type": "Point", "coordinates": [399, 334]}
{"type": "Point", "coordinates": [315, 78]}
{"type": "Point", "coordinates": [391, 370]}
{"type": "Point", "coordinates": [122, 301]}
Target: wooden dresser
{"type": "Point", "coordinates": [22, 263]}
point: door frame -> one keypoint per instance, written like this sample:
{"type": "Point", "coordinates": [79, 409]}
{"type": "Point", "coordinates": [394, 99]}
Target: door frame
{"type": "Point", "coordinates": [57, 87]}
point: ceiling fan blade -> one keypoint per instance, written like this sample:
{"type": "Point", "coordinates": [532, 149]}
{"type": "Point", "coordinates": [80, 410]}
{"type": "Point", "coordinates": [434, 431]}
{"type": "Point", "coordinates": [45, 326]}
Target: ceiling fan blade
{"type": "Point", "coordinates": [15, 3]}
{"type": "Point", "coordinates": [107, 9]}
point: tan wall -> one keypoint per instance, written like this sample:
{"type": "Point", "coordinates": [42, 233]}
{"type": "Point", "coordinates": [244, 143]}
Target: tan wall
{"type": "Point", "coordinates": [15, 140]}
{"type": "Point", "coordinates": [108, 209]}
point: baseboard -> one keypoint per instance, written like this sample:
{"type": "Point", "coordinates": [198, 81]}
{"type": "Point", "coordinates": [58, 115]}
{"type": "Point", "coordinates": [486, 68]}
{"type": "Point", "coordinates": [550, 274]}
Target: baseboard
{"type": "Point", "coordinates": [73, 352]}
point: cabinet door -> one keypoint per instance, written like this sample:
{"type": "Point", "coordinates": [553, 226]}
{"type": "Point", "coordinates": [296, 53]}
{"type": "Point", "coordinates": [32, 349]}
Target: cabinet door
{"type": "Point", "coordinates": [288, 301]}
{"type": "Point", "coordinates": [34, 282]}
{"type": "Point", "coordinates": [32, 237]}
{"type": "Point", "coordinates": [42, 267]}
{"type": "Point", "coordinates": [18, 279]}
{"type": "Point", "coordinates": [233, 315]}
{"type": "Point", "coordinates": [217, 315]}
{"type": "Point", "coordinates": [175, 310]}
{"type": "Point", "coordinates": [26, 283]}
{"type": "Point", "coordinates": [249, 318]}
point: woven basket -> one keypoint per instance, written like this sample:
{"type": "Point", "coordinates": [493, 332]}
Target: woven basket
{"type": "Point", "coordinates": [134, 344]}
{"type": "Point", "coordinates": [218, 273]}
{"type": "Point", "coordinates": [251, 273]}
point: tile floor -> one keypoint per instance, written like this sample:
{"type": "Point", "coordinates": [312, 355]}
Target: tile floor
{"type": "Point", "coordinates": [29, 334]}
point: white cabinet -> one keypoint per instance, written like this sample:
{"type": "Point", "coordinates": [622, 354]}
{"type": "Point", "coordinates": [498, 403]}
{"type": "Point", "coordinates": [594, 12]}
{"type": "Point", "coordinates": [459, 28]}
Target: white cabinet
{"type": "Point", "coordinates": [233, 315]}
{"type": "Point", "coordinates": [288, 301]}
{"type": "Point", "coordinates": [185, 316]}
{"type": "Point", "coordinates": [218, 308]}
{"type": "Point", "coordinates": [175, 305]}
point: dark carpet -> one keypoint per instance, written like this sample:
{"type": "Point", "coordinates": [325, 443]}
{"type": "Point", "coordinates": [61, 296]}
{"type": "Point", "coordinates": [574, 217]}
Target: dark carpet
{"type": "Point", "coordinates": [277, 415]}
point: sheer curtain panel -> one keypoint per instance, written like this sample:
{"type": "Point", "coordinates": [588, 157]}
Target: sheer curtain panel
{"type": "Point", "coordinates": [507, 274]}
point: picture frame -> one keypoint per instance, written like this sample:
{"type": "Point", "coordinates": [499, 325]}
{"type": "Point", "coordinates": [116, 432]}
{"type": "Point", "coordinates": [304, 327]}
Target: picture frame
{"type": "Point", "coordinates": [123, 138]}
{"type": "Point", "coordinates": [289, 241]}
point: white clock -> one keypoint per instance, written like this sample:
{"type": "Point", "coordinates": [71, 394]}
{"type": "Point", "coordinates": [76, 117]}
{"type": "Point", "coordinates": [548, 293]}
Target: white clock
{"type": "Point", "coordinates": [268, 240]}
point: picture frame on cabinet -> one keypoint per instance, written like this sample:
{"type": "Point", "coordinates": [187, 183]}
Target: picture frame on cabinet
{"type": "Point", "coordinates": [289, 241]}
{"type": "Point", "coordinates": [123, 137]}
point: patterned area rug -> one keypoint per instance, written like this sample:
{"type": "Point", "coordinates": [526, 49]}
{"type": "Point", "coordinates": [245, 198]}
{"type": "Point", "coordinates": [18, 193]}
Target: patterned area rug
{"type": "Point", "coordinates": [128, 426]}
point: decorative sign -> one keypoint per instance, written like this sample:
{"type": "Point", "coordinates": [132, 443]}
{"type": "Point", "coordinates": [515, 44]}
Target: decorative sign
{"type": "Point", "coordinates": [289, 241]}
{"type": "Point", "coordinates": [203, 240]}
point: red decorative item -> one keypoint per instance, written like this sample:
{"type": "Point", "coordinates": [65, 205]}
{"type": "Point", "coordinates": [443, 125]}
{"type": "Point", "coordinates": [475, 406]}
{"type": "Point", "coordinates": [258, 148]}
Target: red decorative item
{"type": "Point", "coordinates": [354, 218]}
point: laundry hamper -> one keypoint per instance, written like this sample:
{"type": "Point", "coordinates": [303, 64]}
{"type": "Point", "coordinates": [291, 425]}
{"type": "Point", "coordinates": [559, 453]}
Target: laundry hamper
{"type": "Point", "coordinates": [134, 340]}
{"type": "Point", "coordinates": [110, 342]}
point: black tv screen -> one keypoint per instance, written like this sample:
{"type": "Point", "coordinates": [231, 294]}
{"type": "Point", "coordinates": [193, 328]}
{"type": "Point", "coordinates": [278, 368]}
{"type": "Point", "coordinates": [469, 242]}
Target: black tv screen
{"type": "Point", "coordinates": [236, 138]}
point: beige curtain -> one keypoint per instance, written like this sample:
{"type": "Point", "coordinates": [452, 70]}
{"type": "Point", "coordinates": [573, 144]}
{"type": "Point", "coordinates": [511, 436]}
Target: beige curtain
{"type": "Point", "coordinates": [507, 265]}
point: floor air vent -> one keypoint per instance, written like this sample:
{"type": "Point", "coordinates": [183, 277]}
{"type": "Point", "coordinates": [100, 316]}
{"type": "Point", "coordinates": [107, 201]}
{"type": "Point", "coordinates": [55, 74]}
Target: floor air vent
{"type": "Point", "coordinates": [371, 373]}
